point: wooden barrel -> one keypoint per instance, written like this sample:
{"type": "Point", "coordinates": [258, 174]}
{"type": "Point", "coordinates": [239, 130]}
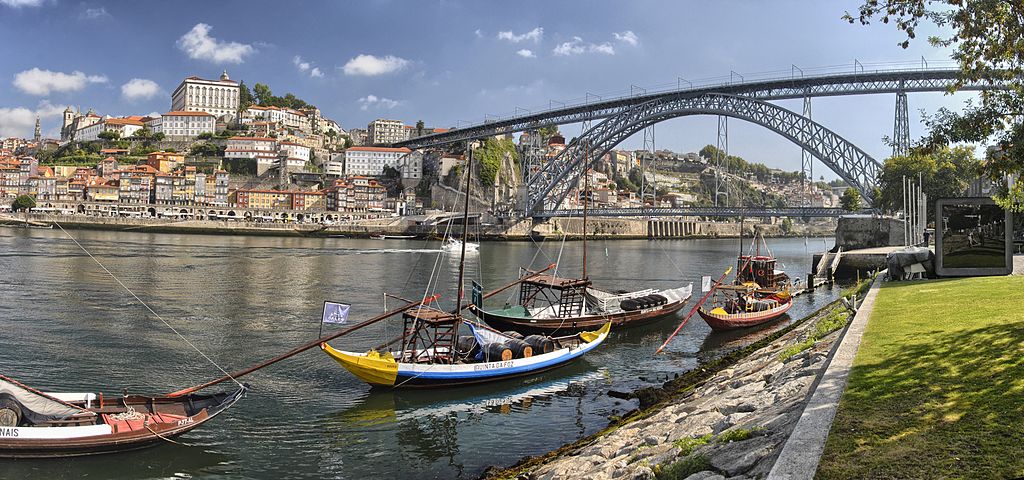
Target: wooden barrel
{"type": "Point", "coordinates": [520, 349]}
{"type": "Point", "coordinates": [540, 344]}
{"type": "Point", "coordinates": [495, 352]}
{"type": "Point", "coordinates": [513, 334]}
{"type": "Point", "coordinates": [467, 346]}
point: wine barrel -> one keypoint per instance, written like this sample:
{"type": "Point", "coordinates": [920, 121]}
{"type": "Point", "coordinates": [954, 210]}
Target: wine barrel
{"type": "Point", "coordinates": [496, 352]}
{"type": "Point", "coordinates": [520, 349]}
{"type": "Point", "coordinates": [659, 299]}
{"type": "Point", "coordinates": [467, 346]}
{"type": "Point", "coordinates": [629, 305]}
{"type": "Point", "coordinates": [540, 344]}
{"type": "Point", "coordinates": [10, 411]}
{"type": "Point", "coordinates": [513, 334]}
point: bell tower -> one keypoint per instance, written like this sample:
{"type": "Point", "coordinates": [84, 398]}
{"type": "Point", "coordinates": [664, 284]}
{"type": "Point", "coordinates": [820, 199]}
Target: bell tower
{"type": "Point", "coordinates": [39, 133]}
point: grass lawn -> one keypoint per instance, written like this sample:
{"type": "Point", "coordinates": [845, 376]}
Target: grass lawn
{"type": "Point", "coordinates": [937, 387]}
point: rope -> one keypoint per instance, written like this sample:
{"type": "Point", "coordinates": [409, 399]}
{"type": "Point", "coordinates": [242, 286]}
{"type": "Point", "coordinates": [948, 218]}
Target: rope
{"type": "Point", "coordinates": [129, 414]}
{"type": "Point", "coordinates": [144, 304]}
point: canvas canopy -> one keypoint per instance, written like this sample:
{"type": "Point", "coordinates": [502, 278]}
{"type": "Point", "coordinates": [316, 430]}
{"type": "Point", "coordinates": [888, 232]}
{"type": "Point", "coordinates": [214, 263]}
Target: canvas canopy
{"type": "Point", "coordinates": [37, 406]}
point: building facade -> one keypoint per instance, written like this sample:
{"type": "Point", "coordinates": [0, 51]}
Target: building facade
{"type": "Point", "coordinates": [382, 131]}
{"type": "Point", "coordinates": [370, 161]}
{"type": "Point", "coordinates": [181, 125]}
{"type": "Point", "coordinates": [216, 97]}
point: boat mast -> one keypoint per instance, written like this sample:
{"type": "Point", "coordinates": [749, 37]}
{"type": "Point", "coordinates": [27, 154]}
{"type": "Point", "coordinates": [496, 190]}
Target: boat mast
{"type": "Point", "coordinates": [465, 233]}
{"type": "Point", "coordinates": [586, 187]}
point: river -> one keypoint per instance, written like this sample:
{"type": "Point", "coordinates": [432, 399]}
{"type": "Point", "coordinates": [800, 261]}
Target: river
{"type": "Point", "coordinates": [67, 326]}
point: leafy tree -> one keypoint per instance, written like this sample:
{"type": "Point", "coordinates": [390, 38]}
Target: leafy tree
{"type": "Point", "coordinates": [851, 200]}
{"type": "Point", "coordinates": [419, 128]}
{"type": "Point", "coordinates": [490, 157]}
{"type": "Point", "coordinates": [262, 94]}
{"type": "Point", "coordinates": [944, 172]}
{"type": "Point", "coordinates": [206, 150]}
{"type": "Point", "coordinates": [348, 142]}
{"type": "Point", "coordinates": [787, 225]}
{"type": "Point", "coordinates": [204, 136]}
{"type": "Point", "coordinates": [986, 38]}
{"type": "Point", "coordinates": [245, 98]}
{"type": "Point", "coordinates": [23, 202]}
{"type": "Point", "coordinates": [391, 180]}
{"type": "Point", "coordinates": [109, 135]}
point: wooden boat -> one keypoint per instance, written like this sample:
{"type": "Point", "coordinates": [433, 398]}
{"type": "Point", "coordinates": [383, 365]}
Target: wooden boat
{"type": "Point", "coordinates": [392, 237]}
{"type": "Point", "coordinates": [549, 304]}
{"type": "Point", "coordinates": [432, 354]}
{"type": "Point", "coordinates": [759, 294]}
{"type": "Point", "coordinates": [454, 245]}
{"type": "Point", "coordinates": [34, 424]}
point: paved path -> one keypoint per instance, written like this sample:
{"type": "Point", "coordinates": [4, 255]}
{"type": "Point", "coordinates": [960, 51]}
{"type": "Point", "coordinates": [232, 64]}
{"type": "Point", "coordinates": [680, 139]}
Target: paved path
{"type": "Point", "coordinates": [802, 452]}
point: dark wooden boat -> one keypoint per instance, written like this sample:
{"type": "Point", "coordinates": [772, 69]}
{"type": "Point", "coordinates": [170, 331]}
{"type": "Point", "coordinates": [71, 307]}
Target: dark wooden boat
{"type": "Point", "coordinates": [34, 424]}
{"type": "Point", "coordinates": [719, 318]}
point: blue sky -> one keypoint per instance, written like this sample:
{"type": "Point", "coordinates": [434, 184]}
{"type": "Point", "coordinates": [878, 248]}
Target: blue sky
{"type": "Point", "coordinates": [446, 62]}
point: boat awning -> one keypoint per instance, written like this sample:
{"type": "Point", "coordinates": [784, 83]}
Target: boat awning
{"type": "Point", "coordinates": [430, 315]}
{"type": "Point", "coordinates": [558, 283]}
{"type": "Point", "coordinates": [38, 402]}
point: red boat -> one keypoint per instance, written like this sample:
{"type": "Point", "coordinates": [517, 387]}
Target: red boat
{"type": "Point", "coordinates": [759, 294]}
{"type": "Point", "coordinates": [721, 319]}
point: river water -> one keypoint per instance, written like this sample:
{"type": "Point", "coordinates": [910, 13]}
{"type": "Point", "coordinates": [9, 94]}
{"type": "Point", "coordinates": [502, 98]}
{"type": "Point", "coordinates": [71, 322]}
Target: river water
{"type": "Point", "coordinates": [67, 326]}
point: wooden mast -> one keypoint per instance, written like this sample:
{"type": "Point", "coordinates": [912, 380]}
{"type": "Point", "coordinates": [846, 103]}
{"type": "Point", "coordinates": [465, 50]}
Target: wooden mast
{"type": "Point", "coordinates": [586, 187]}
{"type": "Point", "coordinates": [465, 235]}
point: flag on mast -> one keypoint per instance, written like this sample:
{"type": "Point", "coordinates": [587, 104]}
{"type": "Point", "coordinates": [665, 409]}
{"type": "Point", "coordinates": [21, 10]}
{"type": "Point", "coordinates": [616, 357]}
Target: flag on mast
{"type": "Point", "coordinates": [335, 312]}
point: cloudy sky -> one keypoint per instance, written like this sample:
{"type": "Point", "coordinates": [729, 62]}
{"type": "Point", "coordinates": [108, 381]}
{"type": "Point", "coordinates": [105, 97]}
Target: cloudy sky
{"type": "Point", "coordinates": [448, 62]}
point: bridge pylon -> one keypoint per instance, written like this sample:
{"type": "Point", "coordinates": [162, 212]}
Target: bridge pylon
{"type": "Point", "coordinates": [807, 161]}
{"type": "Point", "coordinates": [722, 162]}
{"type": "Point", "coordinates": [901, 126]}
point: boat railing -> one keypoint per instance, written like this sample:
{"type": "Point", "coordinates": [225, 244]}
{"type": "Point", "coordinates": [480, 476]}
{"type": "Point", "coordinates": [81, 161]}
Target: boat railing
{"type": "Point", "coordinates": [609, 301]}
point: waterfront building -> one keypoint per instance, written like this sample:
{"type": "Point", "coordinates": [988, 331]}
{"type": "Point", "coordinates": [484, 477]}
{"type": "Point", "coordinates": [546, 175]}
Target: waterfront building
{"type": "Point", "coordinates": [372, 160]}
{"type": "Point", "coordinates": [382, 131]}
{"type": "Point", "coordinates": [216, 97]}
{"type": "Point", "coordinates": [135, 185]}
{"type": "Point", "coordinates": [278, 199]}
{"type": "Point", "coordinates": [99, 189]}
{"type": "Point", "coordinates": [261, 149]}
{"type": "Point", "coordinates": [165, 161]}
{"type": "Point", "coordinates": [10, 177]}
{"type": "Point", "coordinates": [355, 194]}
{"type": "Point", "coordinates": [125, 127]}
{"type": "Point", "coordinates": [107, 167]}
{"type": "Point", "coordinates": [182, 125]}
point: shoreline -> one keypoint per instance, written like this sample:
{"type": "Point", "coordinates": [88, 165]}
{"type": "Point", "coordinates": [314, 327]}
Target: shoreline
{"type": "Point", "coordinates": [364, 231]}
{"type": "Point", "coordinates": [703, 406]}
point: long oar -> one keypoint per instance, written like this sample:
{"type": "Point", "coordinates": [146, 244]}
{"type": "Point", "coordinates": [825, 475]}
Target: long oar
{"type": "Point", "coordinates": [694, 310]}
{"type": "Point", "coordinates": [304, 347]}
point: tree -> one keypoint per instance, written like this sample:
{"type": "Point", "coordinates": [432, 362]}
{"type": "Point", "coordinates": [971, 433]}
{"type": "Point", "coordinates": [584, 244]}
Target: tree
{"type": "Point", "coordinates": [787, 226]}
{"type": "Point", "coordinates": [245, 99]}
{"type": "Point", "coordinates": [944, 172]}
{"type": "Point", "coordinates": [851, 201]}
{"type": "Point", "coordinates": [262, 94]}
{"type": "Point", "coordinates": [348, 142]}
{"type": "Point", "coordinates": [985, 35]}
{"type": "Point", "coordinates": [109, 135]}
{"type": "Point", "coordinates": [23, 202]}
{"type": "Point", "coordinates": [419, 128]}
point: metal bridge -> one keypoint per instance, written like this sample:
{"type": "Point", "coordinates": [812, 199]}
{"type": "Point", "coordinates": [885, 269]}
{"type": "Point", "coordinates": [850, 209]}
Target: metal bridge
{"type": "Point", "coordinates": [749, 101]}
{"type": "Point", "coordinates": [731, 212]}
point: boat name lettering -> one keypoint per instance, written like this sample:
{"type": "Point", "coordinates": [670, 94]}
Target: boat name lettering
{"type": "Point", "coordinates": [185, 421]}
{"type": "Point", "coordinates": [492, 365]}
{"type": "Point", "coordinates": [8, 432]}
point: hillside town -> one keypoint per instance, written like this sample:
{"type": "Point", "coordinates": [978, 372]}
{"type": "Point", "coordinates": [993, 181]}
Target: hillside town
{"type": "Point", "coordinates": [216, 146]}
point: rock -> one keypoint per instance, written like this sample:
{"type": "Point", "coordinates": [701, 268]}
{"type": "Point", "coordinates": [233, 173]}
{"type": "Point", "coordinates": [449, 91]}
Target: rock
{"type": "Point", "coordinates": [736, 383]}
{"type": "Point", "coordinates": [746, 407]}
{"type": "Point", "coordinates": [705, 475]}
{"type": "Point", "coordinates": [618, 394]}
{"type": "Point", "coordinates": [651, 440]}
{"type": "Point", "coordinates": [737, 458]}
{"type": "Point", "coordinates": [643, 473]}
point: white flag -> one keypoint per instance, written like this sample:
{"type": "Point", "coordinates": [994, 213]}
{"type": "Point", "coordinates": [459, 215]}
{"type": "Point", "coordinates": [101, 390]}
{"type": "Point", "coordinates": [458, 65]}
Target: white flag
{"type": "Point", "coordinates": [705, 283]}
{"type": "Point", "coordinates": [335, 312]}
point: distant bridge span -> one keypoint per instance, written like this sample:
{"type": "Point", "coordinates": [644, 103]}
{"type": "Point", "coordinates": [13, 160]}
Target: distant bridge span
{"type": "Point", "coordinates": [717, 212]}
{"type": "Point", "coordinates": [857, 83]}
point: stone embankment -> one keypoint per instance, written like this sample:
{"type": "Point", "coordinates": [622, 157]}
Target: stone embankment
{"type": "Point", "coordinates": [731, 425]}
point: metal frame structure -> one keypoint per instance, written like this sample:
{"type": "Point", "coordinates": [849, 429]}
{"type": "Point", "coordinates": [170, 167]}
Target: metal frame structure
{"type": "Point", "coordinates": [858, 83]}
{"type": "Point", "coordinates": [807, 161]}
{"type": "Point", "coordinates": [703, 212]}
{"type": "Point", "coordinates": [901, 126]}
{"type": "Point", "coordinates": [549, 187]}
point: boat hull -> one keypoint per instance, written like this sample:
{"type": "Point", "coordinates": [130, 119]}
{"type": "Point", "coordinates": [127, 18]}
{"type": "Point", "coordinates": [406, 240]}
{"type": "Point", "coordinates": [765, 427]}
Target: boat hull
{"type": "Point", "coordinates": [548, 326]}
{"type": "Point", "coordinates": [74, 441]}
{"type": "Point", "coordinates": [743, 320]}
{"type": "Point", "coordinates": [383, 372]}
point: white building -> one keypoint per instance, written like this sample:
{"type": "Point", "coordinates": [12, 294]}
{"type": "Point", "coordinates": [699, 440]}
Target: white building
{"type": "Point", "coordinates": [124, 126]}
{"type": "Point", "coordinates": [183, 125]}
{"type": "Point", "coordinates": [296, 156]}
{"type": "Point", "coordinates": [383, 131]}
{"type": "Point", "coordinates": [285, 116]}
{"type": "Point", "coordinates": [370, 161]}
{"type": "Point", "coordinates": [216, 97]}
{"type": "Point", "coordinates": [263, 150]}
{"type": "Point", "coordinates": [335, 165]}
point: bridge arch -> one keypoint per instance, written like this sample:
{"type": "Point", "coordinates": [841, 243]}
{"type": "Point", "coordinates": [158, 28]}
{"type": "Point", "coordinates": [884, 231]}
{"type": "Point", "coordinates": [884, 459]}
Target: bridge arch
{"type": "Point", "coordinates": [549, 187]}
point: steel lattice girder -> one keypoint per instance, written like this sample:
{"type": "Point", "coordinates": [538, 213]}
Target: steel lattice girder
{"type": "Point", "coordinates": [797, 212]}
{"type": "Point", "coordinates": [797, 87]}
{"type": "Point", "coordinates": [549, 187]}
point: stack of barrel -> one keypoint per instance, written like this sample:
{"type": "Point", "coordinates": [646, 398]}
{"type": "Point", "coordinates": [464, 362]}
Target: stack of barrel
{"type": "Point", "coordinates": [516, 346]}
{"type": "Point", "coordinates": [640, 303]}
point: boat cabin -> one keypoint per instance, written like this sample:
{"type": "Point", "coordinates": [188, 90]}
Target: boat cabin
{"type": "Point", "coordinates": [760, 269]}
{"type": "Point", "coordinates": [556, 296]}
{"type": "Point", "coordinates": [429, 335]}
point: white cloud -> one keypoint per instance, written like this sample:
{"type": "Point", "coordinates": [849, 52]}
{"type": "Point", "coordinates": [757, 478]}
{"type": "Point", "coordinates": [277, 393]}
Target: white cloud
{"type": "Point", "coordinates": [95, 14]}
{"type": "Point", "coordinates": [22, 3]}
{"type": "Point", "coordinates": [374, 101]}
{"type": "Point", "coordinates": [371, 65]}
{"type": "Point", "coordinates": [526, 53]}
{"type": "Point", "coordinates": [306, 67]}
{"type": "Point", "coordinates": [199, 45]}
{"type": "Point", "coordinates": [577, 47]}
{"type": "Point", "coordinates": [42, 82]}
{"type": "Point", "coordinates": [21, 122]}
{"type": "Point", "coordinates": [535, 35]}
{"type": "Point", "coordinates": [140, 89]}
{"type": "Point", "coordinates": [627, 37]}
{"type": "Point", "coordinates": [478, 33]}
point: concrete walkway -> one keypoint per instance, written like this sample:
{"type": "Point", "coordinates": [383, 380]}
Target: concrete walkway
{"type": "Point", "coordinates": [802, 452]}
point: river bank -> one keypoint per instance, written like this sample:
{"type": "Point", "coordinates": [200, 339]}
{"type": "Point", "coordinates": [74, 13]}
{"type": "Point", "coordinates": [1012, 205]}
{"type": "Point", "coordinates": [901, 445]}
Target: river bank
{"type": "Point", "coordinates": [727, 419]}
{"type": "Point", "coordinates": [524, 230]}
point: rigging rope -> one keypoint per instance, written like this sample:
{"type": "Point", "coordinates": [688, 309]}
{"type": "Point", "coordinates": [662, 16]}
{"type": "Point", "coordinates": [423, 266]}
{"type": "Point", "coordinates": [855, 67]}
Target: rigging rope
{"type": "Point", "coordinates": [144, 304]}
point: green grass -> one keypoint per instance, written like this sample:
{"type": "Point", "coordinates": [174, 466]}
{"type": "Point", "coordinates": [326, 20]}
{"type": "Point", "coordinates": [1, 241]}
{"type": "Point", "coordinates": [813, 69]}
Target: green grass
{"type": "Point", "coordinates": [689, 444]}
{"type": "Point", "coordinates": [737, 435]}
{"type": "Point", "coordinates": [937, 387]}
{"type": "Point", "coordinates": [683, 468]}
{"type": "Point", "coordinates": [835, 320]}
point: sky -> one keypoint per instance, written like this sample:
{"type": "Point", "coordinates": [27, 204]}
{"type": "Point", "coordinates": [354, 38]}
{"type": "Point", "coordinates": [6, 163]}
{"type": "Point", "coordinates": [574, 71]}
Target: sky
{"type": "Point", "coordinates": [451, 62]}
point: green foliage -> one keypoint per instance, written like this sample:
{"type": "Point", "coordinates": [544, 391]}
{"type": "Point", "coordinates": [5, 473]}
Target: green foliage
{"type": "Point", "coordinates": [787, 225]}
{"type": "Point", "coordinates": [689, 444]}
{"type": "Point", "coordinates": [624, 183]}
{"type": "Point", "coordinates": [490, 157]}
{"type": "Point", "coordinates": [738, 165]}
{"type": "Point", "coordinates": [265, 97]}
{"type": "Point", "coordinates": [985, 38]}
{"type": "Point", "coordinates": [23, 202]}
{"type": "Point", "coordinates": [206, 150]}
{"type": "Point", "coordinates": [548, 131]}
{"type": "Point", "coordinates": [83, 160]}
{"type": "Point", "coordinates": [348, 142]}
{"type": "Point", "coordinates": [391, 180]}
{"type": "Point", "coordinates": [245, 98]}
{"type": "Point", "coordinates": [737, 435]}
{"type": "Point", "coordinates": [683, 468]}
{"type": "Point", "coordinates": [142, 150]}
{"type": "Point", "coordinates": [204, 136]}
{"type": "Point", "coordinates": [851, 200]}
{"type": "Point", "coordinates": [836, 319]}
{"type": "Point", "coordinates": [239, 166]}
{"type": "Point", "coordinates": [109, 135]}
{"type": "Point", "coordinates": [945, 172]}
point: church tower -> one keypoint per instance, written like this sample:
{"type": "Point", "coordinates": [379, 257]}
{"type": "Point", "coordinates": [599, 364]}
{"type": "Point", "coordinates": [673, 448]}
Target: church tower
{"type": "Point", "coordinates": [69, 120]}
{"type": "Point", "coordinates": [39, 133]}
